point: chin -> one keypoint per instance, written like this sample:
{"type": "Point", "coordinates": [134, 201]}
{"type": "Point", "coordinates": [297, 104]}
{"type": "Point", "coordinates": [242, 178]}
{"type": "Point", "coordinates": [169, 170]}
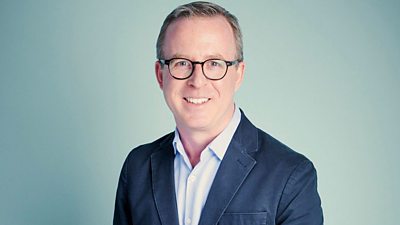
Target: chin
{"type": "Point", "coordinates": [195, 124]}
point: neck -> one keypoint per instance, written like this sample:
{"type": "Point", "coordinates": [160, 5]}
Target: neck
{"type": "Point", "coordinates": [195, 141]}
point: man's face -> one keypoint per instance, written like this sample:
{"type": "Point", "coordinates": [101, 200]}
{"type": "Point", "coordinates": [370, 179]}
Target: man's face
{"type": "Point", "coordinates": [199, 104]}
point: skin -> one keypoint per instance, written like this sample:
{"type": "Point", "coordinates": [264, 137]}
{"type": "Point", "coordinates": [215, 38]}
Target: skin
{"type": "Point", "coordinates": [199, 39]}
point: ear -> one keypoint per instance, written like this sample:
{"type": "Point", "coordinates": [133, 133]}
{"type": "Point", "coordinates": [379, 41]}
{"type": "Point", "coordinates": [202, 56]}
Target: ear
{"type": "Point", "coordinates": [240, 75]}
{"type": "Point", "coordinates": [159, 74]}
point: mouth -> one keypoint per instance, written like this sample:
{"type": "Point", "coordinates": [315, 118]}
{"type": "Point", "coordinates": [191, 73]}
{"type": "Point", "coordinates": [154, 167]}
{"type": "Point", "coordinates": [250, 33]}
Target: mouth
{"type": "Point", "coordinates": [196, 101]}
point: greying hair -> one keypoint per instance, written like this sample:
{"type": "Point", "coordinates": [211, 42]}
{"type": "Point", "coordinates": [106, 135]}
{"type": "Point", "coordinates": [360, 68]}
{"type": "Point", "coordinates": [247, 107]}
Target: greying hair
{"type": "Point", "coordinates": [200, 9]}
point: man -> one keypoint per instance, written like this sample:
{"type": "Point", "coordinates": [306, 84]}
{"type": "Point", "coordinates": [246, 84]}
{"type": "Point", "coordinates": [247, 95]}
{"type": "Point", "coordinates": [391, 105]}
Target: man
{"type": "Point", "coordinates": [216, 168]}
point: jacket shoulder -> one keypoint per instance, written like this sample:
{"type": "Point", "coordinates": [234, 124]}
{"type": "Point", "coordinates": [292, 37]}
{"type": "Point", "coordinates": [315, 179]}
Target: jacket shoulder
{"type": "Point", "coordinates": [144, 151]}
{"type": "Point", "coordinates": [266, 148]}
{"type": "Point", "coordinates": [279, 153]}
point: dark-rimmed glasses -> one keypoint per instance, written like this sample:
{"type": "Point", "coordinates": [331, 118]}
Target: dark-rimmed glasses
{"type": "Point", "coordinates": [213, 69]}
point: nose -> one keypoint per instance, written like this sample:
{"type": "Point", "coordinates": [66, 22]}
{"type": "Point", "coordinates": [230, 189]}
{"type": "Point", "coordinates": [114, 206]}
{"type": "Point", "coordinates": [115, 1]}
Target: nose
{"type": "Point", "coordinates": [197, 79]}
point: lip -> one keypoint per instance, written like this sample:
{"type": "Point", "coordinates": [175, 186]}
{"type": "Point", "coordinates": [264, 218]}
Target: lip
{"type": "Point", "coordinates": [197, 100]}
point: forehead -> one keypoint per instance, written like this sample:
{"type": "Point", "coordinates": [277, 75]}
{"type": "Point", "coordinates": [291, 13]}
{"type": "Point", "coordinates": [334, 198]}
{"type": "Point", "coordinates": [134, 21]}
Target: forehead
{"type": "Point", "coordinates": [199, 38]}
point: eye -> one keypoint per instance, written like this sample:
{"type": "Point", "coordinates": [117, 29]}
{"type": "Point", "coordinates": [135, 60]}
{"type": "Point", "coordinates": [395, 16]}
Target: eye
{"type": "Point", "coordinates": [215, 63]}
{"type": "Point", "coordinates": [181, 63]}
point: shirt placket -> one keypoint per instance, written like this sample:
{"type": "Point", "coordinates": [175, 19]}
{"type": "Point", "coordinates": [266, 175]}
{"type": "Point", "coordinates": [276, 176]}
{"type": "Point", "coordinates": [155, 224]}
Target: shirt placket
{"type": "Point", "coordinates": [190, 196]}
{"type": "Point", "coordinates": [192, 183]}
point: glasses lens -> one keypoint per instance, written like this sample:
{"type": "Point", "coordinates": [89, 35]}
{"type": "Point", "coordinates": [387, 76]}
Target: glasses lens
{"type": "Point", "coordinates": [180, 68]}
{"type": "Point", "coordinates": [214, 68]}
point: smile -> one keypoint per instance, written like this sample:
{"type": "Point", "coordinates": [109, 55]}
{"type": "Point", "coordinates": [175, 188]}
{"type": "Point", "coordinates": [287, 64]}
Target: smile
{"type": "Point", "coordinates": [196, 101]}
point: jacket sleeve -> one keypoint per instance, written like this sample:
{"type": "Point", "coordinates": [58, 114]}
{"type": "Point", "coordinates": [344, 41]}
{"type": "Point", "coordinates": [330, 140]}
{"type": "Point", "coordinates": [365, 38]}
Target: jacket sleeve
{"type": "Point", "coordinates": [121, 211]}
{"type": "Point", "coordinates": [300, 203]}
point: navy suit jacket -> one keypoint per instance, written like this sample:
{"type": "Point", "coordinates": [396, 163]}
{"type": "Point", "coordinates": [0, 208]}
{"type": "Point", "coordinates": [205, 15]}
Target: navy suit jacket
{"type": "Point", "coordinates": [259, 181]}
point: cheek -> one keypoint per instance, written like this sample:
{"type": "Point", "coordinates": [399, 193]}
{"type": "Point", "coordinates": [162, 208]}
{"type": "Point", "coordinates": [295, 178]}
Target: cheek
{"type": "Point", "coordinates": [229, 87]}
{"type": "Point", "coordinates": [225, 91]}
{"type": "Point", "coordinates": [171, 87]}
{"type": "Point", "coordinates": [166, 83]}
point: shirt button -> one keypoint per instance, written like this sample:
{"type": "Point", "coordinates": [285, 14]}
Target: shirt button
{"type": "Point", "coordinates": [188, 221]}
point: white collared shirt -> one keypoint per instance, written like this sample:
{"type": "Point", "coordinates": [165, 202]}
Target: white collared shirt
{"type": "Point", "coordinates": [193, 184]}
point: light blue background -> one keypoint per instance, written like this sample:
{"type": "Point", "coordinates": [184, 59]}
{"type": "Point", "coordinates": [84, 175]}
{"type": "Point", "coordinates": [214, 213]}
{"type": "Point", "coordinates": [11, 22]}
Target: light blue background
{"type": "Point", "coordinates": [78, 92]}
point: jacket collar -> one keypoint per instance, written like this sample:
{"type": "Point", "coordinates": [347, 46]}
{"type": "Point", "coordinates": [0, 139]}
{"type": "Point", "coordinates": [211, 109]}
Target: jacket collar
{"type": "Point", "coordinates": [234, 168]}
{"type": "Point", "coordinates": [163, 185]}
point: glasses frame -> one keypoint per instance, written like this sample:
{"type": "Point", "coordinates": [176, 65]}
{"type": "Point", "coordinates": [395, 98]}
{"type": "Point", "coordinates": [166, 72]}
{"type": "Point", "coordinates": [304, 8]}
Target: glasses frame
{"type": "Point", "coordinates": [228, 64]}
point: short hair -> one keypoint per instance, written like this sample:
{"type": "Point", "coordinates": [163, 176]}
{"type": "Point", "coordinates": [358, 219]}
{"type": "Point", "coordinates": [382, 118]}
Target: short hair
{"type": "Point", "coordinates": [200, 9]}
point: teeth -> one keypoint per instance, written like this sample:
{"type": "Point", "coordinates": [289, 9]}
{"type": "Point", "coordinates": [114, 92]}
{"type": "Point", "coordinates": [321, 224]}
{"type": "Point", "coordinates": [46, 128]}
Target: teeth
{"type": "Point", "coordinates": [197, 100]}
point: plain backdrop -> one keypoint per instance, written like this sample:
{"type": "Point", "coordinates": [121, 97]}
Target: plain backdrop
{"type": "Point", "coordinates": [78, 92]}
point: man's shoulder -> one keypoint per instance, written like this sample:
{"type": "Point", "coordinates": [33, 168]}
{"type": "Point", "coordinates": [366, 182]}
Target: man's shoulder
{"type": "Point", "coordinates": [146, 150]}
{"type": "Point", "coordinates": [267, 148]}
{"type": "Point", "coordinates": [277, 153]}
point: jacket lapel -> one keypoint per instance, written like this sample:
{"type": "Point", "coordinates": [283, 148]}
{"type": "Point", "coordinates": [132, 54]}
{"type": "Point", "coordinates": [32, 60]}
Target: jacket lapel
{"type": "Point", "coordinates": [234, 168]}
{"type": "Point", "coordinates": [163, 183]}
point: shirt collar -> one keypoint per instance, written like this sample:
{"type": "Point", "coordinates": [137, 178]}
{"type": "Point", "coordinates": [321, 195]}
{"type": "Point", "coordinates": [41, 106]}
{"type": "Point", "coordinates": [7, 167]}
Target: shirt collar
{"type": "Point", "coordinates": [220, 144]}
